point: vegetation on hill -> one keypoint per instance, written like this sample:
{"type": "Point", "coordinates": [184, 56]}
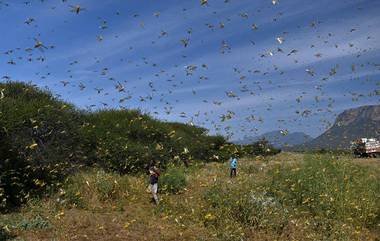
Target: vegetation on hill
{"type": "Point", "coordinates": [44, 139]}
{"type": "Point", "coordinates": [126, 141]}
{"type": "Point", "coordinates": [39, 145]}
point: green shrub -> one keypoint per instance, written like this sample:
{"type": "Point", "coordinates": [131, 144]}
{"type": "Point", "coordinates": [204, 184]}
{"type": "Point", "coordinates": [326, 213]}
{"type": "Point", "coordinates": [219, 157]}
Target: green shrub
{"type": "Point", "coordinates": [127, 140]}
{"type": "Point", "coordinates": [19, 222]}
{"type": "Point", "coordinates": [119, 140]}
{"type": "Point", "coordinates": [243, 208]}
{"type": "Point", "coordinates": [71, 193]}
{"type": "Point", "coordinates": [111, 186]}
{"type": "Point", "coordinates": [36, 222]}
{"type": "Point", "coordinates": [10, 177]}
{"type": "Point", "coordinates": [261, 147]}
{"type": "Point", "coordinates": [4, 234]}
{"type": "Point", "coordinates": [40, 142]}
{"type": "Point", "coordinates": [86, 190]}
{"type": "Point", "coordinates": [172, 181]}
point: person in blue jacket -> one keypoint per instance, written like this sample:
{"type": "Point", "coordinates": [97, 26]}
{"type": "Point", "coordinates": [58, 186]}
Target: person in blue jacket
{"type": "Point", "coordinates": [233, 166]}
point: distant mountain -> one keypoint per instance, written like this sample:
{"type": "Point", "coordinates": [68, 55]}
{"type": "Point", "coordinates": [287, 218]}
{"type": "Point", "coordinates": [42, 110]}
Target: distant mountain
{"type": "Point", "coordinates": [351, 124]}
{"type": "Point", "coordinates": [278, 139]}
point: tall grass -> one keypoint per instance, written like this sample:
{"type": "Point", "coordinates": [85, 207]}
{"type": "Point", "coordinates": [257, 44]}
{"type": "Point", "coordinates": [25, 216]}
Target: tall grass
{"type": "Point", "coordinates": [233, 210]}
{"type": "Point", "coordinates": [319, 198]}
{"type": "Point", "coordinates": [92, 189]}
{"type": "Point", "coordinates": [329, 192]}
{"type": "Point", "coordinates": [324, 197]}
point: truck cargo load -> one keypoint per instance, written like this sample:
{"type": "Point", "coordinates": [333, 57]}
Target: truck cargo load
{"type": "Point", "coordinates": [366, 147]}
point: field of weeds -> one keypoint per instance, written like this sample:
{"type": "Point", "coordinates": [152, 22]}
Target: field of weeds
{"type": "Point", "coordinates": [285, 197]}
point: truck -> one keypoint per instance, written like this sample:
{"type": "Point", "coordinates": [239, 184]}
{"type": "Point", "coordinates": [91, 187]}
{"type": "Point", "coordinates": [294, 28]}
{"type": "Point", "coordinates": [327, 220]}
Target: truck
{"type": "Point", "coordinates": [366, 147]}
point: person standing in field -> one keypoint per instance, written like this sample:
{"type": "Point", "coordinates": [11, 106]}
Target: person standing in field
{"type": "Point", "coordinates": [153, 183]}
{"type": "Point", "coordinates": [233, 166]}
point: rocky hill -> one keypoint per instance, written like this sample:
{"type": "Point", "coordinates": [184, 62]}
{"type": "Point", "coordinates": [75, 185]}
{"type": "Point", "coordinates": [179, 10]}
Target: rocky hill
{"type": "Point", "coordinates": [278, 139]}
{"type": "Point", "coordinates": [351, 124]}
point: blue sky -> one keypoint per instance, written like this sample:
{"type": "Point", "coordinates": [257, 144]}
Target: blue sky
{"type": "Point", "coordinates": [249, 66]}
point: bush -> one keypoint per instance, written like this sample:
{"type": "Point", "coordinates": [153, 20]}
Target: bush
{"type": "Point", "coordinates": [90, 189]}
{"type": "Point", "coordinates": [121, 140]}
{"type": "Point", "coordinates": [72, 192]}
{"type": "Point", "coordinates": [241, 208]}
{"type": "Point", "coordinates": [111, 186]}
{"type": "Point", "coordinates": [173, 181]}
{"type": "Point", "coordinates": [4, 234]}
{"type": "Point", "coordinates": [10, 175]}
{"type": "Point", "coordinates": [126, 141]}
{"type": "Point", "coordinates": [260, 148]}
{"type": "Point", "coordinates": [13, 224]}
{"type": "Point", "coordinates": [36, 222]}
{"type": "Point", "coordinates": [39, 142]}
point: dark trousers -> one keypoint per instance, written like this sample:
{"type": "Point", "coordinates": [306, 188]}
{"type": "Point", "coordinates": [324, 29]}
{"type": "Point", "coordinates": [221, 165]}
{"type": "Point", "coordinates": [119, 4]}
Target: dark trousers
{"type": "Point", "coordinates": [233, 172]}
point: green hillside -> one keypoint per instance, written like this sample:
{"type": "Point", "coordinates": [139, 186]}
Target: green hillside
{"type": "Point", "coordinates": [44, 139]}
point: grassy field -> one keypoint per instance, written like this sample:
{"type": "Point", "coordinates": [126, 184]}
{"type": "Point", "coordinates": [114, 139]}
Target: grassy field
{"type": "Point", "coordinates": [284, 197]}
